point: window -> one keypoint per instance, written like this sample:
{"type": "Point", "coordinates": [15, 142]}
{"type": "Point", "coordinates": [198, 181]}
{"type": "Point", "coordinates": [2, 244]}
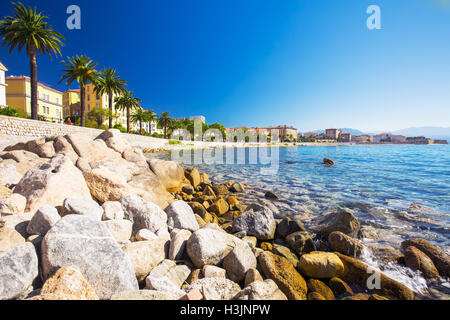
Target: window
{"type": "Point", "coordinates": [89, 107]}
{"type": "Point", "coordinates": [57, 100]}
{"type": "Point", "coordinates": [98, 96]}
{"type": "Point", "coordinates": [89, 97]}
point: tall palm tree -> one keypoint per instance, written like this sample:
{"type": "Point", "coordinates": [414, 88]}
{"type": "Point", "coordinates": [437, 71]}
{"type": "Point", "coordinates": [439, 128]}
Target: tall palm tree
{"type": "Point", "coordinates": [127, 102]}
{"type": "Point", "coordinates": [164, 121]}
{"type": "Point", "coordinates": [140, 116]}
{"type": "Point", "coordinates": [28, 28]}
{"type": "Point", "coordinates": [152, 116]}
{"type": "Point", "coordinates": [108, 82]}
{"type": "Point", "coordinates": [80, 69]}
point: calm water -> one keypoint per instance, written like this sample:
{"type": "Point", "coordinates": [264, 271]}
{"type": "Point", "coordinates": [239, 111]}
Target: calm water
{"type": "Point", "coordinates": [378, 183]}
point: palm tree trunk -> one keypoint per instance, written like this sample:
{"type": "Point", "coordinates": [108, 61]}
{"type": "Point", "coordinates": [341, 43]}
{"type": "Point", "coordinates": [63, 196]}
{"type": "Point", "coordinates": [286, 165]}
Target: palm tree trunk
{"type": "Point", "coordinates": [128, 120]}
{"type": "Point", "coordinates": [34, 85]}
{"type": "Point", "coordinates": [140, 128]}
{"type": "Point", "coordinates": [110, 103]}
{"type": "Point", "coordinates": [82, 105]}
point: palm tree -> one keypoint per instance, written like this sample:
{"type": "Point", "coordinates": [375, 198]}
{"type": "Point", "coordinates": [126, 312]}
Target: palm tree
{"type": "Point", "coordinates": [140, 115]}
{"type": "Point", "coordinates": [80, 69]}
{"type": "Point", "coordinates": [99, 114]}
{"type": "Point", "coordinates": [152, 116]}
{"type": "Point", "coordinates": [28, 28]}
{"type": "Point", "coordinates": [164, 121]}
{"type": "Point", "coordinates": [108, 82]}
{"type": "Point", "coordinates": [127, 102]}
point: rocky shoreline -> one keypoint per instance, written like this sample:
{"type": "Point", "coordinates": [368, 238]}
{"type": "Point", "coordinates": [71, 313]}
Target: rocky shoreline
{"type": "Point", "coordinates": [88, 219]}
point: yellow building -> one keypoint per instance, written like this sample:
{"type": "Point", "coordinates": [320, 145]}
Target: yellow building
{"type": "Point", "coordinates": [71, 103]}
{"type": "Point", "coordinates": [50, 101]}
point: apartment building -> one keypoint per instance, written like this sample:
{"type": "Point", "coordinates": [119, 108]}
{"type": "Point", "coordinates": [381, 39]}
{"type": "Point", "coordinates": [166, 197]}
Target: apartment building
{"type": "Point", "coordinates": [50, 101]}
{"type": "Point", "coordinates": [345, 137]}
{"type": "Point", "coordinates": [3, 85]}
{"type": "Point", "coordinates": [71, 103]}
{"type": "Point", "coordinates": [332, 133]}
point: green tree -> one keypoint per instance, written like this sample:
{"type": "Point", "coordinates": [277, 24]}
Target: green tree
{"type": "Point", "coordinates": [80, 69]}
{"type": "Point", "coordinates": [152, 116]}
{"type": "Point", "coordinates": [28, 28]}
{"type": "Point", "coordinates": [164, 121]}
{"type": "Point", "coordinates": [108, 82]}
{"type": "Point", "coordinates": [127, 102]}
{"type": "Point", "coordinates": [99, 114]}
{"type": "Point", "coordinates": [140, 116]}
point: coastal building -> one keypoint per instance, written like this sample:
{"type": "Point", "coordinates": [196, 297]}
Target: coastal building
{"type": "Point", "coordinates": [71, 103]}
{"type": "Point", "coordinates": [345, 137]}
{"type": "Point", "coordinates": [3, 85]}
{"type": "Point", "coordinates": [419, 140]}
{"type": "Point", "coordinates": [382, 137]}
{"type": "Point", "coordinates": [362, 139]}
{"type": "Point", "coordinates": [397, 138]}
{"type": "Point", "coordinates": [310, 134]}
{"type": "Point", "coordinates": [50, 101]}
{"type": "Point", "coordinates": [440, 142]}
{"type": "Point", "coordinates": [332, 133]}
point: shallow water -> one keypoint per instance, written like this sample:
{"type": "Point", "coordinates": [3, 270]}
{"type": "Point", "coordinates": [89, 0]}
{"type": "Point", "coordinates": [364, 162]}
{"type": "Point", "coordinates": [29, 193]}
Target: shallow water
{"type": "Point", "coordinates": [378, 183]}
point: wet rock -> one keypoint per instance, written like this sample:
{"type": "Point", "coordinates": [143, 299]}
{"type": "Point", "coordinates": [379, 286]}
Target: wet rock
{"type": "Point", "coordinates": [286, 253]}
{"type": "Point", "coordinates": [88, 208]}
{"type": "Point", "coordinates": [18, 269]}
{"type": "Point", "coordinates": [42, 221]}
{"type": "Point", "coordinates": [112, 210]}
{"type": "Point", "coordinates": [220, 189]}
{"type": "Point", "coordinates": [342, 220]}
{"type": "Point", "coordinates": [288, 226]}
{"type": "Point", "coordinates": [280, 270]}
{"type": "Point", "coordinates": [144, 256]}
{"type": "Point", "coordinates": [358, 297]}
{"type": "Point", "coordinates": [219, 207]}
{"type": "Point", "coordinates": [143, 214]}
{"type": "Point", "coordinates": [315, 296]}
{"type": "Point", "coordinates": [215, 288]}
{"type": "Point", "coordinates": [143, 295]}
{"type": "Point", "coordinates": [86, 244]}
{"type": "Point", "coordinates": [9, 238]}
{"type": "Point", "coordinates": [301, 242]}
{"type": "Point", "coordinates": [344, 244]}
{"type": "Point", "coordinates": [328, 162]}
{"type": "Point", "coordinates": [320, 265]}
{"type": "Point", "coordinates": [188, 189]}
{"type": "Point", "coordinates": [385, 253]}
{"type": "Point", "coordinates": [67, 284]}
{"type": "Point", "coordinates": [261, 290]}
{"type": "Point", "coordinates": [12, 204]}
{"type": "Point", "coordinates": [357, 273]}
{"type": "Point", "coordinates": [318, 286]}
{"type": "Point", "coordinates": [210, 245]}
{"type": "Point", "coordinates": [51, 183]}
{"type": "Point", "coordinates": [239, 261]}
{"type": "Point", "coordinates": [257, 221]}
{"type": "Point", "coordinates": [272, 195]}
{"type": "Point", "coordinates": [440, 259]}
{"type": "Point", "coordinates": [339, 287]}
{"type": "Point", "coordinates": [193, 176]}
{"type": "Point", "coordinates": [181, 216]}
{"type": "Point", "coordinates": [417, 260]}
{"type": "Point", "coordinates": [204, 178]}
{"type": "Point", "coordinates": [237, 188]}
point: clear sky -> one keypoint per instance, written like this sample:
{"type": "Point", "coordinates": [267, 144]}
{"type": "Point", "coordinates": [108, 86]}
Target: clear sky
{"type": "Point", "coordinates": [308, 63]}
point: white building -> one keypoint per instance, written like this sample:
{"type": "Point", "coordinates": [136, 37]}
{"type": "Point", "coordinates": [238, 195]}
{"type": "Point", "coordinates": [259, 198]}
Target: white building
{"type": "Point", "coordinates": [2, 85]}
{"type": "Point", "coordinates": [198, 118]}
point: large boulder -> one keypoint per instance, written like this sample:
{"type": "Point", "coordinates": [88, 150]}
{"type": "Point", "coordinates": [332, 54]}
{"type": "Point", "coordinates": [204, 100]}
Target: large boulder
{"type": "Point", "coordinates": [12, 204]}
{"type": "Point", "coordinates": [170, 173]}
{"type": "Point", "coordinates": [320, 265]}
{"type": "Point", "coordinates": [90, 149]}
{"type": "Point", "coordinates": [239, 261]}
{"type": "Point", "coordinates": [344, 244]}
{"type": "Point", "coordinates": [143, 214]}
{"type": "Point", "coordinates": [175, 273]}
{"type": "Point", "coordinates": [215, 288]}
{"type": "Point", "coordinates": [258, 221]}
{"type": "Point", "coordinates": [8, 174]}
{"type": "Point", "coordinates": [145, 255]}
{"type": "Point", "coordinates": [357, 273]}
{"type": "Point", "coordinates": [51, 183]}
{"type": "Point", "coordinates": [120, 229]}
{"type": "Point", "coordinates": [417, 260]}
{"type": "Point", "coordinates": [112, 210]}
{"type": "Point", "coordinates": [301, 242]}
{"type": "Point", "coordinates": [105, 185]}
{"type": "Point", "coordinates": [440, 259]}
{"type": "Point", "coordinates": [40, 147]}
{"type": "Point", "coordinates": [261, 290]}
{"type": "Point", "coordinates": [210, 245]}
{"type": "Point", "coordinates": [181, 216]}
{"type": "Point", "coordinates": [42, 221]}
{"type": "Point", "coordinates": [342, 220]}
{"type": "Point", "coordinates": [86, 244]}
{"type": "Point", "coordinates": [22, 160]}
{"type": "Point", "coordinates": [178, 243]}
{"type": "Point", "coordinates": [288, 226]}
{"type": "Point", "coordinates": [62, 146]}
{"type": "Point", "coordinates": [283, 273]}
{"type": "Point", "coordinates": [67, 284]}
{"type": "Point", "coordinates": [193, 176]}
{"type": "Point", "coordinates": [84, 207]}
{"type": "Point", "coordinates": [18, 269]}
{"type": "Point", "coordinates": [9, 238]}
{"type": "Point", "coordinates": [164, 284]}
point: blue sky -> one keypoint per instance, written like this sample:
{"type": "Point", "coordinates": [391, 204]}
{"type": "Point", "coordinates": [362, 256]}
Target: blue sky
{"type": "Point", "coordinates": [308, 63]}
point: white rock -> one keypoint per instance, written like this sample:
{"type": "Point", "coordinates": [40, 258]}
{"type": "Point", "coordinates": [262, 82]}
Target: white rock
{"type": "Point", "coordinates": [83, 207]}
{"type": "Point", "coordinates": [239, 261]}
{"type": "Point", "coordinates": [216, 288]}
{"type": "Point", "coordinates": [8, 174]}
{"type": "Point", "coordinates": [181, 216]}
{"type": "Point", "coordinates": [214, 272]}
{"type": "Point", "coordinates": [120, 229]}
{"type": "Point", "coordinates": [178, 243]}
{"type": "Point", "coordinates": [261, 290]}
{"type": "Point", "coordinates": [175, 273]}
{"type": "Point", "coordinates": [45, 218]}
{"type": "Point", "coordinates": [12, 204]}
{"type": "Point", "coordinates": [258, 221]}
{"type": "Point", "coordinates": [112, 210]}
{"type": "Point", "coordinates": [162, 283]}
{"type": "Point", "coordinates": [145, 234]}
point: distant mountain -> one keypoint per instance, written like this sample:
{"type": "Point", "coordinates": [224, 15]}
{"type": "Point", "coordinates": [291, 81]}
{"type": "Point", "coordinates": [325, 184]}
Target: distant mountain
{"type": "Point", "coordinates": [429, 132]}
